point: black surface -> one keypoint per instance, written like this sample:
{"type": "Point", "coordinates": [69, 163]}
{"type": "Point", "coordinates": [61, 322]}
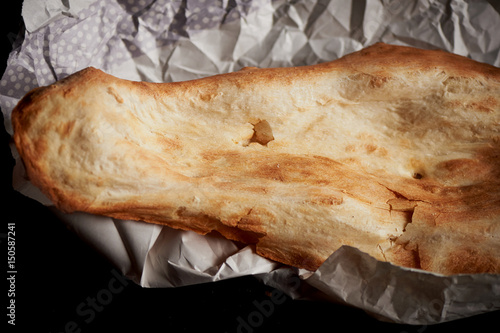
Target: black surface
{"type": "Point", "coordinates": [59, 276]}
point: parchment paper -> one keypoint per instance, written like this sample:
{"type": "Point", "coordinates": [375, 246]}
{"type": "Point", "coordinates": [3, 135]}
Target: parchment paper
{"type": "Point", "coordinates": [161, 41]}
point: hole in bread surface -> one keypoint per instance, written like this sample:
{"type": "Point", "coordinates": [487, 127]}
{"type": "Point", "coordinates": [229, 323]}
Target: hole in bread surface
{"type": "Point", "coordinates": [263, 133]}
{"type": "Point", "coordinates": [417, 175]}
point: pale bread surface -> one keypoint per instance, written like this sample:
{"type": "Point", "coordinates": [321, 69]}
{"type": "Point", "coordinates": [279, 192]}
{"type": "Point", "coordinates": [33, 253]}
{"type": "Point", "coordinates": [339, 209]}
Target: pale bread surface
{"type": "Point", "coordinates": [393, 150]}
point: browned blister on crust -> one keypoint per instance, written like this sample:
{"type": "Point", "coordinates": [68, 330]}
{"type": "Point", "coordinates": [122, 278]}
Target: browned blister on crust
{"type": "Point", "coordinates": [393, 150]}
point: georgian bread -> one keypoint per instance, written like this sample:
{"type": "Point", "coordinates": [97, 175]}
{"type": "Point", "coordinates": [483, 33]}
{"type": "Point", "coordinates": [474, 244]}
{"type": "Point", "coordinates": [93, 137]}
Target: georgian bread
{"type": "Point", "coordinates": [393, 150]}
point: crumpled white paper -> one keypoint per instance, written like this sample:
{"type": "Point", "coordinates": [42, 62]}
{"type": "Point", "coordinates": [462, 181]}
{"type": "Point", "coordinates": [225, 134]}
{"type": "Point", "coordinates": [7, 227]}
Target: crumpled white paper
{"type": "Point", "coordinates": [42, 12]}
{"type": "Point", "coordinates": [163, 40]}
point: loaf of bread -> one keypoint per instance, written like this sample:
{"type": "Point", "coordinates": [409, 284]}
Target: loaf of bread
{"type": "Point", "coordinates": [392, 150]}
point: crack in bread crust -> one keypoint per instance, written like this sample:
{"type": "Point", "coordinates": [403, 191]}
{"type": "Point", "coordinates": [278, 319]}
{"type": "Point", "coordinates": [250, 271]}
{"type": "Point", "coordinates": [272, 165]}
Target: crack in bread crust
{"type": "Point", "coordinates": [393, 150]}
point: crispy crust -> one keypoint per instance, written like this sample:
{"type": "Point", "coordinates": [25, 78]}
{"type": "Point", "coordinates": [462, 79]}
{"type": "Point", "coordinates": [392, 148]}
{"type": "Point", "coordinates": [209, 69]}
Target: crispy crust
{"type": "Point", "coordinates": [391, 149]}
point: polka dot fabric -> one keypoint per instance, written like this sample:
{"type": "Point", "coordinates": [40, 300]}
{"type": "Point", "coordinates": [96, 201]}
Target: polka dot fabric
{"type": "Point", "coordinates": [103, 35]}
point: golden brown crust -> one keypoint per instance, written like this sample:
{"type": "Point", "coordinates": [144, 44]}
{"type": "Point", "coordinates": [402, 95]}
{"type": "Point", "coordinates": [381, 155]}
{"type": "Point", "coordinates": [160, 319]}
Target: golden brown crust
{"type": "Point", "coordinates": [393, 150]}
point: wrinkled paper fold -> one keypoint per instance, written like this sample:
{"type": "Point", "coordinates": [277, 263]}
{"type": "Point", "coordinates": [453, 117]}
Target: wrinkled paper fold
{"type": "Point", "coordinates": [162, 41]}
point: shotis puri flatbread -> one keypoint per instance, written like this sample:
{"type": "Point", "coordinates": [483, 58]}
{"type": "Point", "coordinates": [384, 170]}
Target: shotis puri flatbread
{"type": "Point", "coordinates": [392, 150]}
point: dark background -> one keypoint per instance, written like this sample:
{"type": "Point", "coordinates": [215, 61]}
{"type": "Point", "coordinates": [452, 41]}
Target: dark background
{"type": "Point", "coordinates": [57, 273]}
